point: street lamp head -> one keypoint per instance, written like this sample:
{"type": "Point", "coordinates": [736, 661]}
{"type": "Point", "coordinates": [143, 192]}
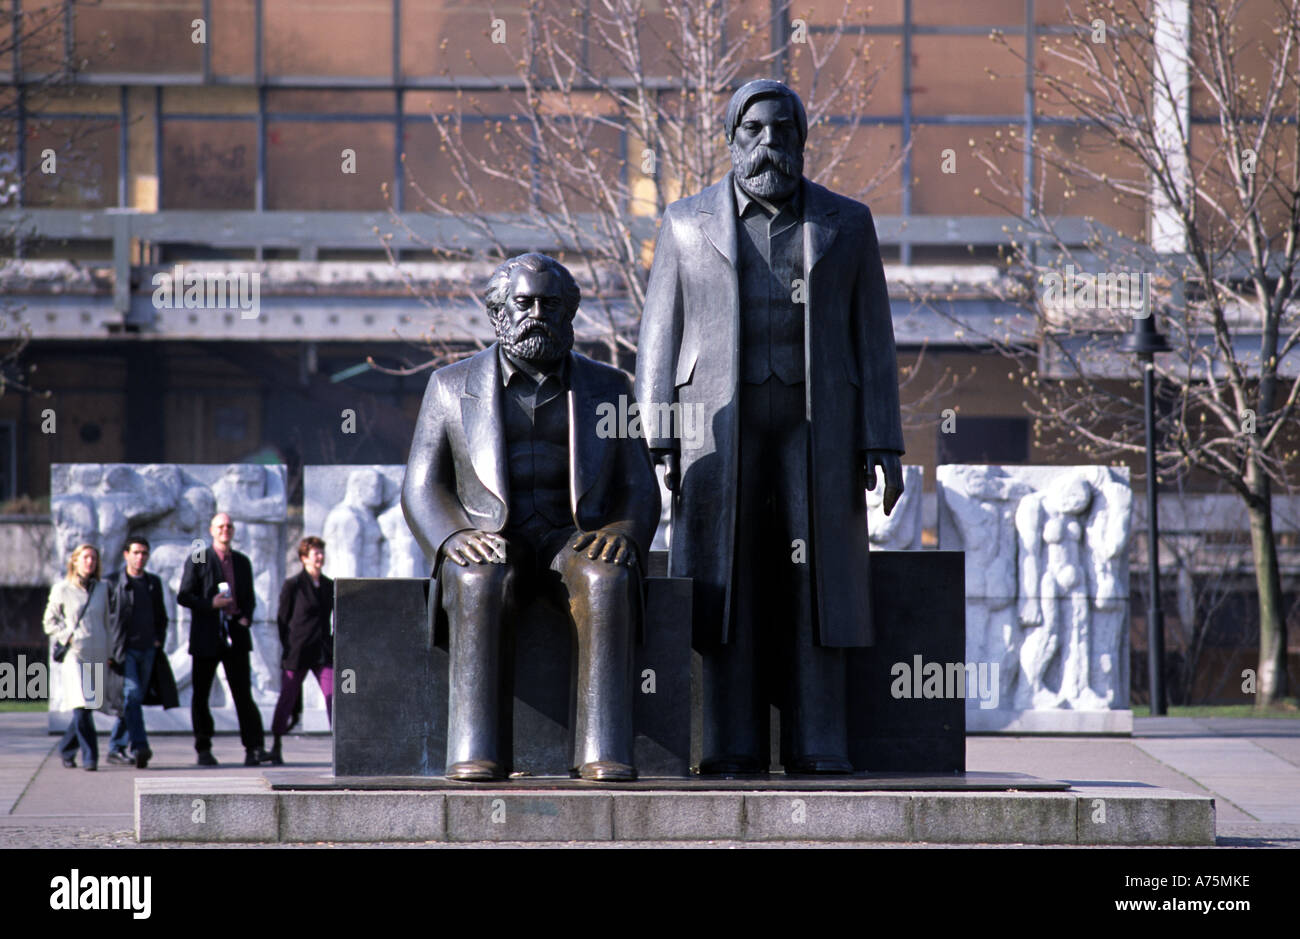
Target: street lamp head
{"type": "Point", "coordinates": [1145, 339]}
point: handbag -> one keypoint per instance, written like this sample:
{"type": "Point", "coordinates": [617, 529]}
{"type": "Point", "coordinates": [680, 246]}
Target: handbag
{"type": "Point", "coordinates": [61, 648]}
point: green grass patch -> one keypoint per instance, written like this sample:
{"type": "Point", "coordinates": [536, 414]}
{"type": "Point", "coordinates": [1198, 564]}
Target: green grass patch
{"type": "Point", "coordinates": [1288, 710]}
{"type": "Point", "coordinates": [24, 706]}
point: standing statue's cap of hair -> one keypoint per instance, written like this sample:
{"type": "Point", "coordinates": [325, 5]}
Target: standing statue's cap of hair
{"type": "Point", "coordinates": [748, 93]}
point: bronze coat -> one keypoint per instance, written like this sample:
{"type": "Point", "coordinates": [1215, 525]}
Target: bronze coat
{"type": "Point", "coordinates": [689, 354]}
{"type": "Point", "coordinates": [457, 477]}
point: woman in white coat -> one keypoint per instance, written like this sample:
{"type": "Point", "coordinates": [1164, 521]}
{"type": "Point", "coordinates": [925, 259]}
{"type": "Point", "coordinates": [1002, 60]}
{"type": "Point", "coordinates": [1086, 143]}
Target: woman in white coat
{"type": "Point", "coordinates": [78, 612]}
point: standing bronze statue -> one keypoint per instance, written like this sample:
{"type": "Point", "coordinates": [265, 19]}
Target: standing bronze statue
{"type": "Point", "coordinates": [514, 492]}
{"type": "Point", "coordinates": [767, 307]}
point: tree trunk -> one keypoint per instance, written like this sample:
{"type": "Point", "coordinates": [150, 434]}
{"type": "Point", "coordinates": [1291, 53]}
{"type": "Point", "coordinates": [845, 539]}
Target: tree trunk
{"type": "Point", "coordinates": [1272, 679]}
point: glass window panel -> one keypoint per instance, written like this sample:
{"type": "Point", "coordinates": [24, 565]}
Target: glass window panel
{"type": "Point", "coordinates": [42, 36]}
{"type": "Point", "coordinates": [1093, 151]}
{"type": "Point", "coordinates": [1065, 77]}
{"type": "Point", "coordinates": [209, 100]}
{"type": "Point", "coordinates": [859, 73]}
{"type": "Point", "coordinates": [231, 35]}
{"type": "Point", "coordinates": [949, 76]}
{"type": "Point", "coordinates": [659, 40]}
{"type": "Point", "coordinates": [1213, 171]}
{"type": "Point", "coordinates": [935, 192]}
{"type": "Point", "coordinates": [858, 162]}
{"type": "Point", "coordinates": [85, 163]}
{"type": "Point", "coordinates": [1257, 48]}
{"type": "Point", "coordinates": [209, 164]}
{"type": "Point", "coordinates": [330, 102]}
{"type": "Point", "coordinates": [139, 36]}
{"type": "Point", "coordinates": [305, 163]}
{"type": "Point", "coordinates": [432, 172]}
{"type": "Point", "coordinates": [329, 37]}
{"type": "Point", "coordinates": [686, 162]}
{"type": "Point", "coordinates": [483, 103]}
{"type": "Point", "coordinates": [486, 133]}
{"type": "Point", "coordinates": [588, 169]}
{"type": "Point", "coordinates": [1055, 12]}
{"type": "Point", "coordinates": [965, 13]}
{"type": "Point", "coordinates": [877, 12]}
{"type": "Point", "coordinates": [438, 39]}
{"type": "Point", "coordinates": [65, 99]}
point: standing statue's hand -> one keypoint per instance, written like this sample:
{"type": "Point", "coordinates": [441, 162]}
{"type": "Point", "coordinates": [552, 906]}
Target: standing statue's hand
{"type": "Point", "coordinates": [475, 547]}
{"type": "Point", "coordinates": [890, 462]}
{"type": "Point", "coordinates": [606, 545]}
{"type": "Point", "coordinates": [668, 460]}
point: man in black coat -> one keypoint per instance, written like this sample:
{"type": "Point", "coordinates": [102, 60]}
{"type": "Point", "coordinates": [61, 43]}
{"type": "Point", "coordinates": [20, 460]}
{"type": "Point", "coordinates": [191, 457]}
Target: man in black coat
{"type": "Point", "coordinates": [221, 634]}
{"type": "Point", "coordinates": [518, 481]}
{"type": "Point", "coordinates": [767, 321]}
{"type": "Point", "coordinates": [137, 631]}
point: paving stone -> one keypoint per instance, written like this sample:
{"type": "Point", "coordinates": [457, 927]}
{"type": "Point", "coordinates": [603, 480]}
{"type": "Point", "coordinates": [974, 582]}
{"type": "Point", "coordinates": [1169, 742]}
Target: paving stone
{"type": "Point", "coordinates": [362, 816]}
{"type": "Point", "coordinates": [508, 816]}
{"type": "Point", "coordinates": [210, 809]}
{"type": "Point", "coordinates": [995, 817]}
{"type": "Point", "coordinates": [1145, 816]}
{"type": "Point", "coordinates": [847, 816]}
{"type": "Point", "coordinates": [667, 816]}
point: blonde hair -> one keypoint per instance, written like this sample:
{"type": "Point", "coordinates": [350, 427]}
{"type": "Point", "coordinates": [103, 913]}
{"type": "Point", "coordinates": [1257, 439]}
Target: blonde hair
{"type": "Point", "coordinates": [76, 555]}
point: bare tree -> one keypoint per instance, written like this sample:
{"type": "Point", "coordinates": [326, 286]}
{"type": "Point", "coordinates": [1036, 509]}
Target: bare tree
{"type": "Point", "coordinates": [37, 50]}
{"type": "Point", "coordinates": [1208, 567]}
{"type": "Point", "coordinates": [1186, 129]}
{"type": "Point", "coordinates": [616, 112]}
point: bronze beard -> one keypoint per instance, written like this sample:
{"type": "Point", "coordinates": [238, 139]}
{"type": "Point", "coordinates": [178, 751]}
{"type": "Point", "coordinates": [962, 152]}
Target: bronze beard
{"type": "Point", "coordinates": [767, 172]}
{"type": "Point", "coordinates": [533, 341]}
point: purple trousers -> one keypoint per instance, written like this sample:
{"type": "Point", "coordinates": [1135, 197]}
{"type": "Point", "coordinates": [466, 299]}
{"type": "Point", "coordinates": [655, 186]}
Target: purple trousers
{"type": "Point", "coordinates": [291, 687]}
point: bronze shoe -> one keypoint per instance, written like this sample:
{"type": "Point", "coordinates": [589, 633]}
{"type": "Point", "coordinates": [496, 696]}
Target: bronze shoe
{"type": "Point", "coordinates": [474, 771]}
{"type": "Point", "coordinates": [607, 771]}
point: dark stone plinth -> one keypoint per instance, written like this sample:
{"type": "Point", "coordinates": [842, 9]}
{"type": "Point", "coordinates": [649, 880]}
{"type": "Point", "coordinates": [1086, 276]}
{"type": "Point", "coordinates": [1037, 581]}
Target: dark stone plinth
{"type": "Point", "coordinates": [394, 721]}
{"type": "Point", "coordinates": [918, 605]}
{"type": "Point", "coordinates": [918, 601]}
{"type": "Point", "coordinates": [390, 701]}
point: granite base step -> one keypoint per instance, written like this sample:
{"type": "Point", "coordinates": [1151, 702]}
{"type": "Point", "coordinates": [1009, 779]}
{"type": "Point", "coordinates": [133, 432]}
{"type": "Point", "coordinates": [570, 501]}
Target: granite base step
{"type": "Point", "coordinates": [247, 809]}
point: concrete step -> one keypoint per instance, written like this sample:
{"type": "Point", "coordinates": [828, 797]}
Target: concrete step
{"type": "Point", "coordinates": [234, 809]}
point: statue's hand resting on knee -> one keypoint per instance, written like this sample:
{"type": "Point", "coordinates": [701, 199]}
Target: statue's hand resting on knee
{"type": "Point", "coordinates": [606, 545]}
{"type": "Point", "coordinates": [475, 547]}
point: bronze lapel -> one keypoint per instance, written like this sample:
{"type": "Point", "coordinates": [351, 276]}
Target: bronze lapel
{"type": "Point", "coordinates": [484, 421]}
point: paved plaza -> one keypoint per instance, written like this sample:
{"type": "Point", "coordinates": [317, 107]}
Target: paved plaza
{"type": "Point", "coordinates": [1250, 767]}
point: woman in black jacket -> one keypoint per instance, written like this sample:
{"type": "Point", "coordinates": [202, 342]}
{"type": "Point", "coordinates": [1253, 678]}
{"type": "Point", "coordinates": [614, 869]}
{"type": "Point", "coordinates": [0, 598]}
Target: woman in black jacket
{"type": "Point", "coordinates": [306, 635]}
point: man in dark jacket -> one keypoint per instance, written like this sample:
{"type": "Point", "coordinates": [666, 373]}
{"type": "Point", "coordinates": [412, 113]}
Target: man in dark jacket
{"type": "Point", "coordinates": [137, 630]}
{"type": "Point", "coordinates": [221, 634]}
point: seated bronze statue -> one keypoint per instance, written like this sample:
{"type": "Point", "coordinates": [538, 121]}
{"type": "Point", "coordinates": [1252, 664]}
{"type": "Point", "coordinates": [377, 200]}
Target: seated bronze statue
{"type": "Point", "coordinates": [512, 490]}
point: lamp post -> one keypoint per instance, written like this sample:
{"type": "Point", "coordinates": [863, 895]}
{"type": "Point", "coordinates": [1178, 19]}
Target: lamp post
{"type": "Point", "coordinates": [1145, 341]}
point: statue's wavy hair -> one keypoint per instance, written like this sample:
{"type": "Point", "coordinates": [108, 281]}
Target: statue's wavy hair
{"type": "Point", "coordinates": [498, 285]}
